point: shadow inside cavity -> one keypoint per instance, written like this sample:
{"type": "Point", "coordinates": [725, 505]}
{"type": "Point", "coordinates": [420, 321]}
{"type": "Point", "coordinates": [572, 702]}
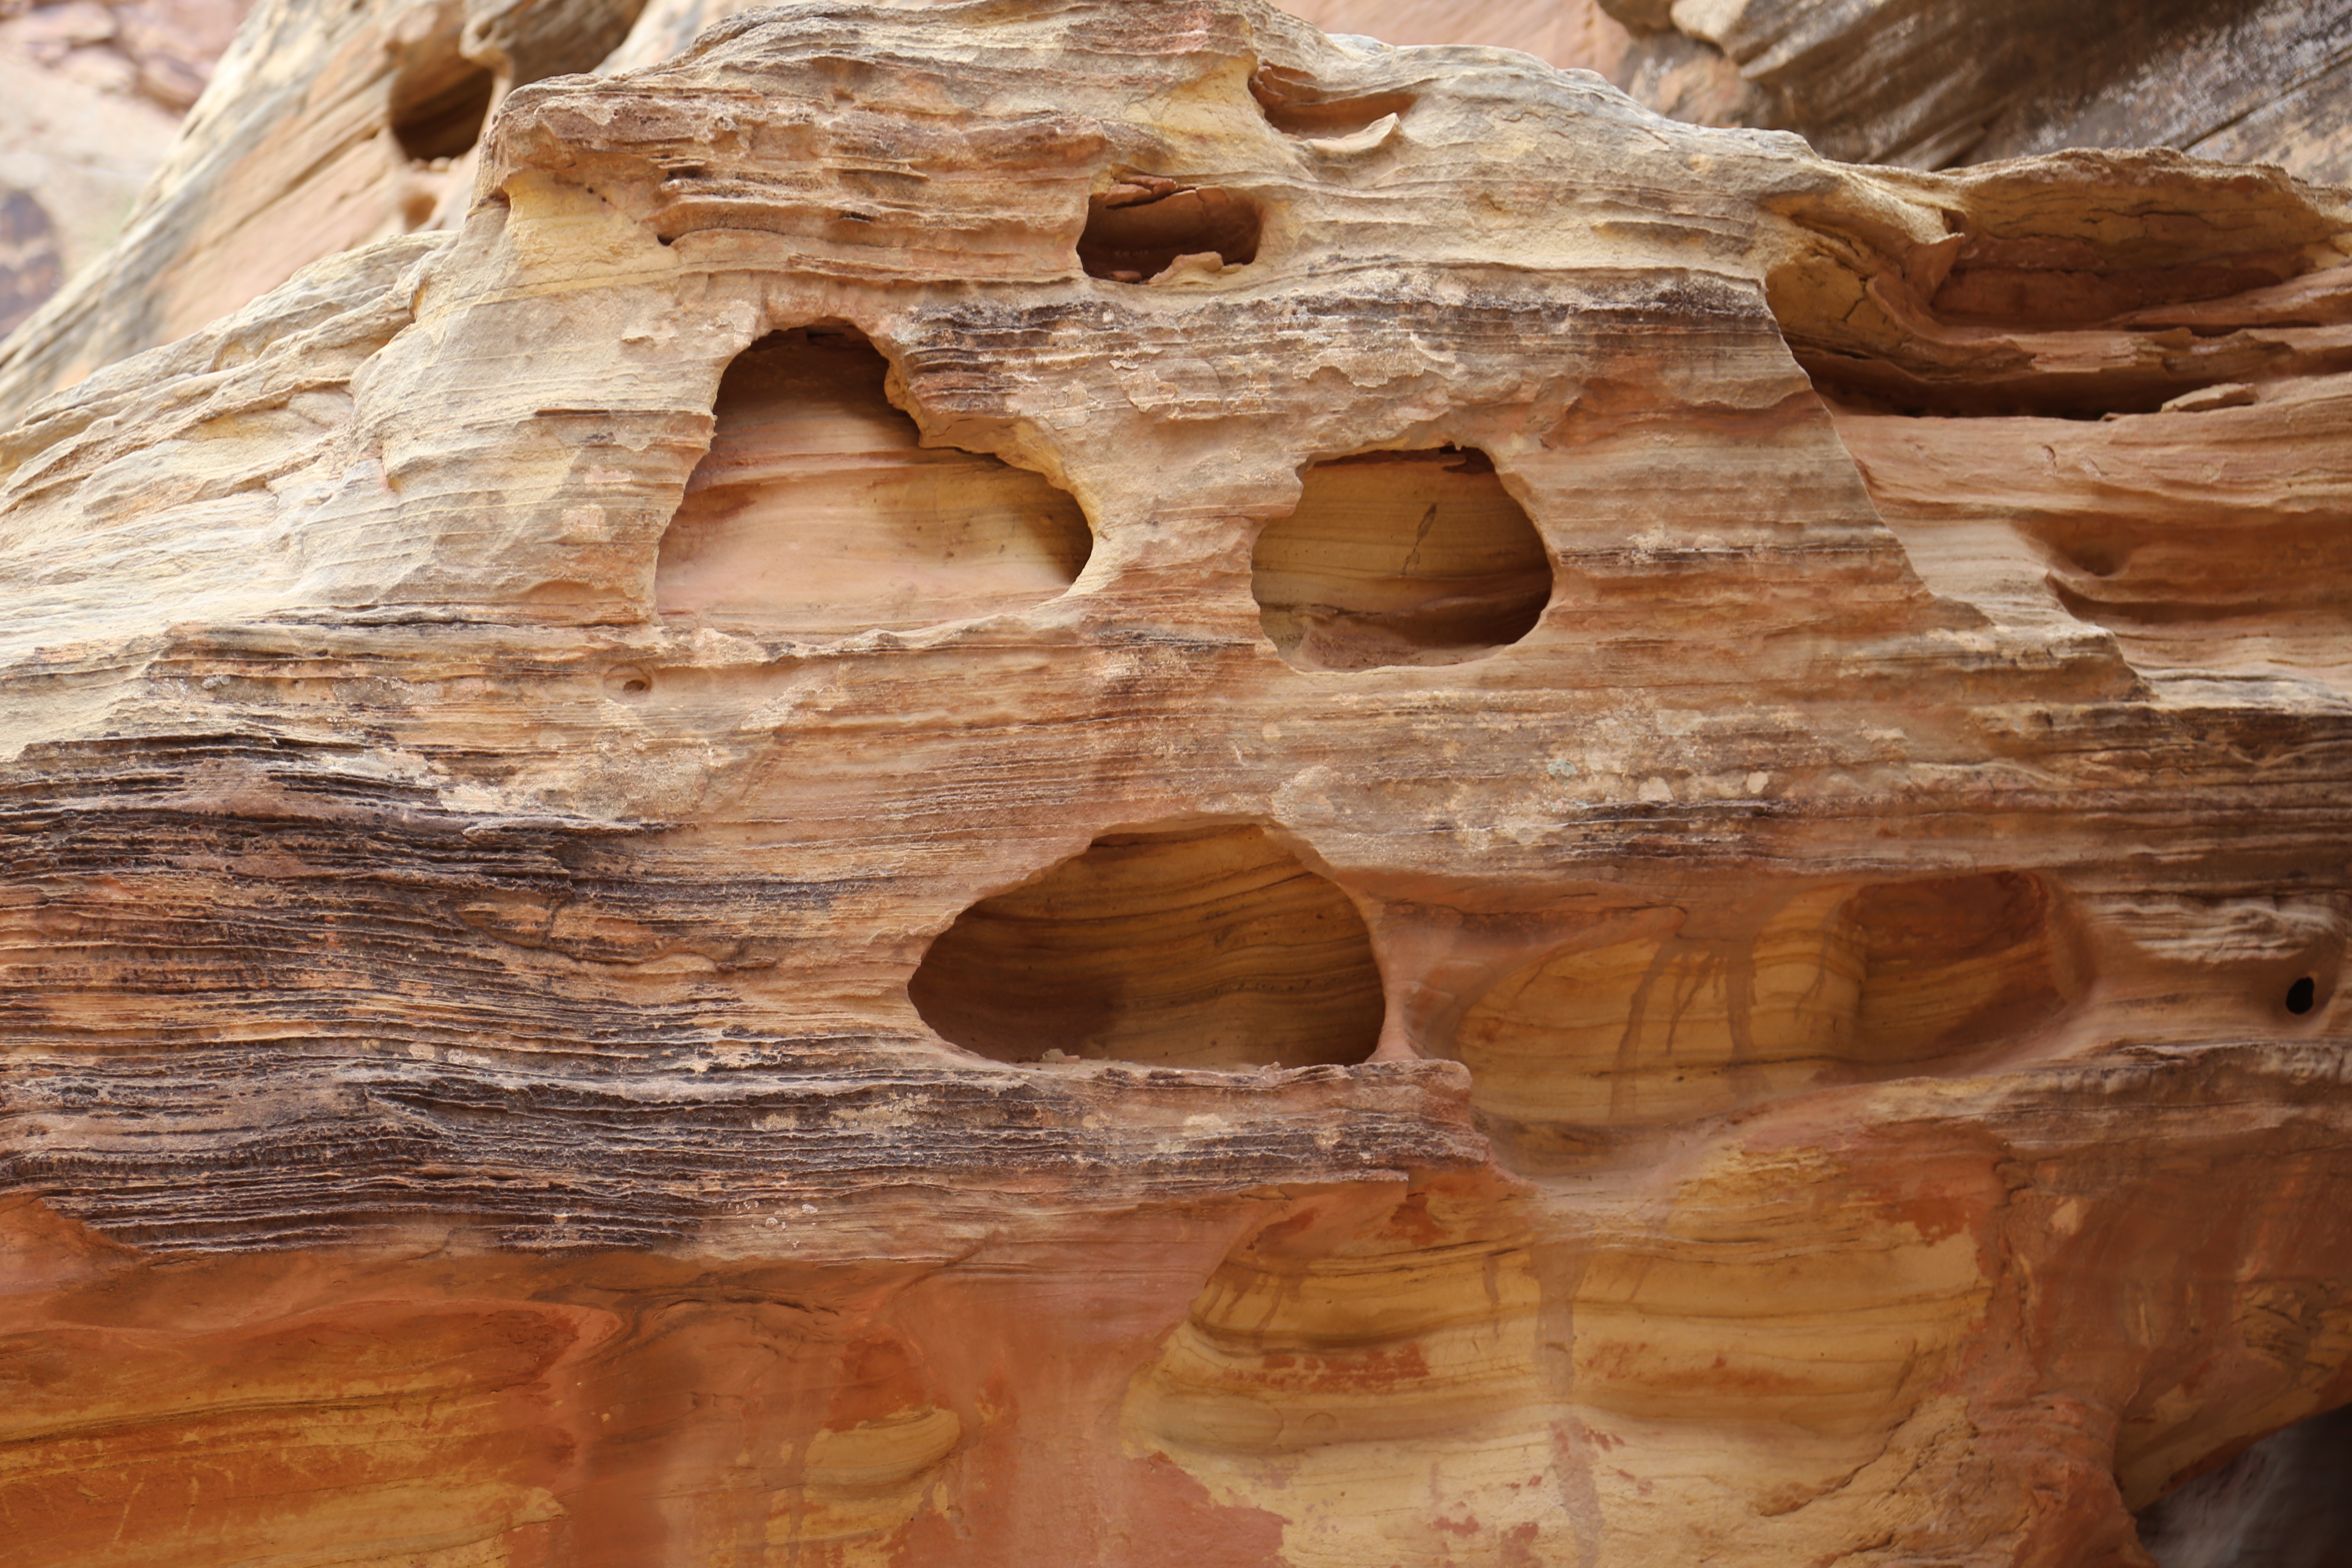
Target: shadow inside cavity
{"type": "Point", "coordinates": [1197, 946]}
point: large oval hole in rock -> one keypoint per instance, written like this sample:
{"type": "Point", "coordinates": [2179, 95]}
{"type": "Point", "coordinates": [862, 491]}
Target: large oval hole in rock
{"type": "Point", "coordinates": [1400, 558]}
{"type": "Point", "coordinates": [1838, 985]}
{"type": "Point", "coordinates": [1199, 947]}
{"type": "Point", "coordinates": [1137, 229]}
{"type": "Point", "coordinates": [817, 512]}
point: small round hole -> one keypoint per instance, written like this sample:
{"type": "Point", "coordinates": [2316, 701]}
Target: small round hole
{"type": "Point", "coordinates": [2302, 995]}
{"type": "Point", "coordinates": [634, 687]}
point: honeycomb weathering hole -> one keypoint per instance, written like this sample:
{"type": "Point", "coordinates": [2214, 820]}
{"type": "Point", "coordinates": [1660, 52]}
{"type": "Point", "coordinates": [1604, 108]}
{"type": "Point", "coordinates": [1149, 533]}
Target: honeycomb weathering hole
{"type": "Point", "coordinates": [1199, 947]}
{"type": "Point", "coordinates": [1137, 229]}
{"type": "Point", "coordinates": [818, 513]}
{"type": "Point", "coordinates": [439, 101]}
{"type": "Point", "coordinates": [1838, 985]}
{"type": "Point", "coordinates": [1400, 558]}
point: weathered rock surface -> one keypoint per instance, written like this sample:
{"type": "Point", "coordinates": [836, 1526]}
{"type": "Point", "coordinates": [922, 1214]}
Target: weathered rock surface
{"type": "Point", "coordinates": [1938, 82]}
{"type": "Point", "coordinates": [861, 833]}
{"type": "Point", "coordinates": [338, 125]}
{"type": "Point", "coordinates": [331, 126]}
{"type": "Point", "coordinates": [90, 95]}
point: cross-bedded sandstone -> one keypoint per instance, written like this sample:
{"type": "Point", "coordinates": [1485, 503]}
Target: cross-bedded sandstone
{"type": "Point", "coordinates": [1795, 1019]}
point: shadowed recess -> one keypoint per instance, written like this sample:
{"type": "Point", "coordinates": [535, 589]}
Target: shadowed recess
{"type": "Point", "coordinates": [1137, 229]}
{"type": "Point", "coordinates": [1296, 105]}
{"type": "Point", "coordinates": [439, 101]}
{"type": "Point", "coordinates": [817, 512]}
{"type": "Point", "coordinates": [2207, 590]}
{"type": "Point", "coordinates": [1834, 985]}
{"type": "Point", "coordinates": [2030, 305]}
{"type": "Point", "coordinates": [2282, 1503]}
{"type": "Point", "coordinates": [1204, 947]}
{"type": "Point", "coordinates": [1400, 558]}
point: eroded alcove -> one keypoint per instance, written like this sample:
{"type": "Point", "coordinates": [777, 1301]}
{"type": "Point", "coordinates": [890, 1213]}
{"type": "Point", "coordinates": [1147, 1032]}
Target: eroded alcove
{"type": "Point", "coordinates": [818, 513]}
{"type": "Point", "coordinates": [1138, 228]}
{"type": "Point", "coordinates": [1837, 985]}
{"type": "Point", "coordinates": [2205, 590]}
{"type": "Point", "coordinates": [1203, 946]}
{"type": "Point", "coordinates": [1400, 558]}
{"type": "Point", "coordinates": [1298, 105]}
{"type": "Point", "coordinates": [439, 100]}
{"type": "Point", "coordinates": [1332, 1337]}
{"type": "Point", "coordinates": [2280, 1503]}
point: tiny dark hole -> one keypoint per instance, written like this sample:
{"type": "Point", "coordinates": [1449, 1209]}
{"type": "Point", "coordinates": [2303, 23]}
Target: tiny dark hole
{"type": "Point", "coordinates": [2300, 995]}
{"type": "Point", "coordinates": [633, 686]}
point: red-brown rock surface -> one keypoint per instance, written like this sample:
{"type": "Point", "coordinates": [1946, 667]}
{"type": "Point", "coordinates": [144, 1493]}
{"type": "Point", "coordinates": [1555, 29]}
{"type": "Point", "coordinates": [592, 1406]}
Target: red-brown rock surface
{"type": "Point", "coordinates": [1091, 783]}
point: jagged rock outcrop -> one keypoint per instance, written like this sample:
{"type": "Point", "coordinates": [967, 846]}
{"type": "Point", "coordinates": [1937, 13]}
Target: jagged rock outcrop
{"type": "Point", "coordinates": [1096, 782]}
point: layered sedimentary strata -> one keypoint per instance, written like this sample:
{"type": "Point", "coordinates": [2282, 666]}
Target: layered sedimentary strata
{"type": "Point", "coordinates": [1099, 783]}
{"type": "Point", "coordinates": [337, 125]}
{"type": "Point", "coordinates": [1971, 82]}
{"type": "Point", "coordinates": [331, 126]}
{"type": "Point", "coordinates": [90, 95]}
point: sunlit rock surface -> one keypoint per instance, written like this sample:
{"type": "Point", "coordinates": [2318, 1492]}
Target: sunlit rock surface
{"type": "Point", "coordinates": [1092, 783]}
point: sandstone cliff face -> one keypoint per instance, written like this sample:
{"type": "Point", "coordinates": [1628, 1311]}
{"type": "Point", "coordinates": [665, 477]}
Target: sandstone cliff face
{"type": "Point", "coordinates": [90, 95]}
{"type": "Point", "coordinates": [336, 125]}
{"type": "Point", "coordinates": [1092, 783]}
{"type": "Point", "coordinates": [1938, 82]}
